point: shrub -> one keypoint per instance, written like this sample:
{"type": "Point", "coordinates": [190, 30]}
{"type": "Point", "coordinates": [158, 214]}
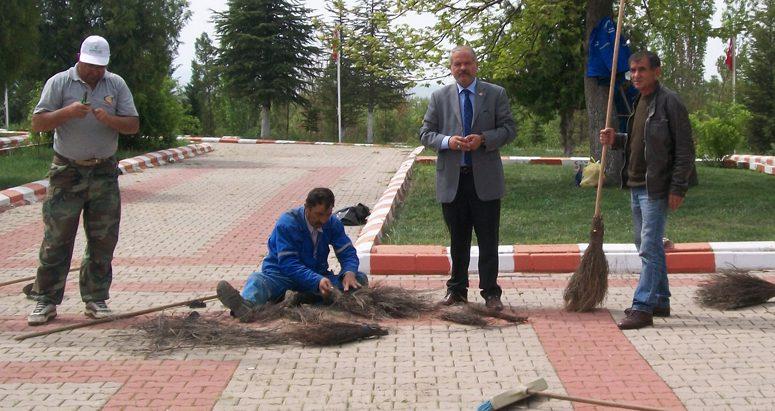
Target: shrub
{"type": "Point", "coordinates": [720, 130]}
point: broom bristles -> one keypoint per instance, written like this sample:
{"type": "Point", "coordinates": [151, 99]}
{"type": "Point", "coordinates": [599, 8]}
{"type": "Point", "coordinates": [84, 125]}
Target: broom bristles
{"type": "Point", "coordinates": [734, 289]}
{"type": "Point", "coordinates": [588, 285]}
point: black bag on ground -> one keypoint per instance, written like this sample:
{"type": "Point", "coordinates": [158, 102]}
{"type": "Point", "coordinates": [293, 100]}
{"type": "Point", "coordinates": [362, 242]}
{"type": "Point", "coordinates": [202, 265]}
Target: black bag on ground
{"type": "Point", "coordinates": [353, 215]}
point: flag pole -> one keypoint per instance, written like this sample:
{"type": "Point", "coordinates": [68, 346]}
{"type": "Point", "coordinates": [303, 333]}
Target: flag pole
{"type": "Point", "coordinates": [339, 83]}
{"type": "Point", "coordinates": [734, 64]}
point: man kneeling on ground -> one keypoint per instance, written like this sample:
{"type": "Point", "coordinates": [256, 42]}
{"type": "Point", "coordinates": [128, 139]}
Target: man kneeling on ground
{"type": "Point", "coordinates": [297, 258]}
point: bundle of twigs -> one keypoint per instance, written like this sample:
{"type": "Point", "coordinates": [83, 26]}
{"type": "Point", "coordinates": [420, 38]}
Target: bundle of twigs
{"type": "Point", "coordinates": [382, 301]}
{"type": "Point", "coordinates": [190, 331]}
{"type": "Point", "coordinates": [477, 315]}
{"type": "Point", "coordinates": [734, 289]}
{"type": "Point", "coordinates": [328, 333]}
{"type": "Point", "coordinates": [588, 285]}
{"type": "Point", "coordinates": [193, 330]}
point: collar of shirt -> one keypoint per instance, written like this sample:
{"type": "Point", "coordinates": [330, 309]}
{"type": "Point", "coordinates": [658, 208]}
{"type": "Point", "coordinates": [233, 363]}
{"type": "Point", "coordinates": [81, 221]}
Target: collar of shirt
{"type": "Point", "coordinates": [471, 87]}
{"type": "Point", "coordinates": [313, 232]}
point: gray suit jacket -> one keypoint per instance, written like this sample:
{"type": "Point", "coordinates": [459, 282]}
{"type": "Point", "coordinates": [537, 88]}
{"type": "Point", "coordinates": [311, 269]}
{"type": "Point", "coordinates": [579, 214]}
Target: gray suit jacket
{"type": "Point", "coordinates": [492, 118]}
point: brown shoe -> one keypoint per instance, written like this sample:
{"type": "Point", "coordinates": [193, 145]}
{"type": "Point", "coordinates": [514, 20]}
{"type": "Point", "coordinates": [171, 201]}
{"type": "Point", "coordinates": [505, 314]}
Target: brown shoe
{"type": "Point", "coordinates": [658, 311]}
{"type": "Point", "coordinates": [453, 298]}
{"type": "Point", "coordinates": [636, 319]}
{"type": "Point", "coordinates": [493, 302]}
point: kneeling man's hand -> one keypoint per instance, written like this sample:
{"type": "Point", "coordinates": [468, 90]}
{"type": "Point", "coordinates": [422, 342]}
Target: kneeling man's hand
{"type": "Point", "coordinates": [350, 281]}
{"type": "Point", "coordinates": [325, 286]}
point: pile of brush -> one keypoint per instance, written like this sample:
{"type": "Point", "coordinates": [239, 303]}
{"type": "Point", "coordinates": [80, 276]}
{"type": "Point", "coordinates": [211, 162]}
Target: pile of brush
{"type": "Point", "coordinates": [334, 322]}
{"type": "Point", "coordinates": [194, 330]}
{"type": "Point", "coordinates": [734, 289]}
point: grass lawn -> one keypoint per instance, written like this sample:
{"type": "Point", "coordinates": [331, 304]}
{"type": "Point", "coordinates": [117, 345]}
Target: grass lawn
{"type": "Point", "coordinates": [27, 164]}
{"type": "Point", "coordinates": [542, 206]}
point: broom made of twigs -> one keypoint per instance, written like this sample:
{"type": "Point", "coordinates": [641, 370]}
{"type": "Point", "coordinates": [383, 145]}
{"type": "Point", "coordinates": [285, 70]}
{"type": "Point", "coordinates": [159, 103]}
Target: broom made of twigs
{"type": "Point", "coordinates": [734, 289]}
{"type": "Point", "coordinates": [588, 285]}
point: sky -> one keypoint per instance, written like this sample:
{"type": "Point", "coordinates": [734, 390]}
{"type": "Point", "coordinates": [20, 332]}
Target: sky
{"type": "Point", "coordinates": [201, 16]}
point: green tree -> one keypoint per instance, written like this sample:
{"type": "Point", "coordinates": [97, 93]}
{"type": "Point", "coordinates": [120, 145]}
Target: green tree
{"type": "Point", "coordinates": [266, 52]}
{"type": "Point", "coordinates": [18, 41]}
{"type": "Point", "coordinates": [204, 83]}
{"type": "Point", "coordinates": [143, 37]}
{"type": "Point", "coordinates": [758, 90]}
{"type": "Point", "coordinates": [549, 79]}
{"type": "Point", "coordinates": [377, 54]}
{"type": "Point", "coordinates": [678, 32]}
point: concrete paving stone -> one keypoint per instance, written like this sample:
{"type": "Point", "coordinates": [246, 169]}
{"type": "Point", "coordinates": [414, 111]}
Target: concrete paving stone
{"type": "Point", "coordinates": [188, 225]}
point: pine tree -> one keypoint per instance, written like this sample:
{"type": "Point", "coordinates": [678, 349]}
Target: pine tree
{"type": "Point", "coordinates": [759, 90]}
{"type": "Point", "coordinates": [204, 83]}
{"type": "Point", "coordinates": [266, 52]}
{"type": "Point", "coordinates": [376, 53]}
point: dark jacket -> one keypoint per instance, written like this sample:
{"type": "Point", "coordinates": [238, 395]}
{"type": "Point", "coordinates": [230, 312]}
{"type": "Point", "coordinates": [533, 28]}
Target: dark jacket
{"type": "Point", "coordinates": [669, 148]}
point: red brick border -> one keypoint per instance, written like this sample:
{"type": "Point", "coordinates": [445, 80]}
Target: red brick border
{"type": "Point", "coordinates": [157, 384]}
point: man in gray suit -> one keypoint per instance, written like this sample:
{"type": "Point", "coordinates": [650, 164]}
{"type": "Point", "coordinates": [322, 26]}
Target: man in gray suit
{"type": "Point", "coordinates": [466, 124]}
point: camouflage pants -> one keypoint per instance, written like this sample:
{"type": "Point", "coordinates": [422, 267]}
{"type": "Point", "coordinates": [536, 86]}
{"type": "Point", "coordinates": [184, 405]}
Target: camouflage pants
{"type": "Point", "coordinates": [74, 189]}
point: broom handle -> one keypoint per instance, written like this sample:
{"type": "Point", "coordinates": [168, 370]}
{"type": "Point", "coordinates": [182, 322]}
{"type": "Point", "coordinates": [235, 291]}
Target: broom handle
{"type": "Point", "coordinates": [30, 278]}
{"type": "Point", "coordinates": [609, 110]}
{"type": "Point", "coordinates": [592, 401]}
{"type": "Point", "coordinates": [111, 318]}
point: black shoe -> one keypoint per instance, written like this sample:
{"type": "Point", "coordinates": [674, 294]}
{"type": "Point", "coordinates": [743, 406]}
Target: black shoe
{"type": "Point", "coordinates": [230, 297]}
{"type": "Point", "coordinates": [636, 319]}
{"type": "Point", "coordinates": [493, 302]}
{"type": "Point", "coordinates": [658, 311]}
{"type": "Point", "coordinates": [453, 298]}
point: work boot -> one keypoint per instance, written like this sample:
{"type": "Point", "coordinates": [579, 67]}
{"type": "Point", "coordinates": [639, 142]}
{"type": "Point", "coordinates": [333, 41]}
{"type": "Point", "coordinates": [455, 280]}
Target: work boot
{"type": "Point", "coordinates": [636, 319]}
{"type": "Point", "coordinates": [97, 310]}
{"type": "Point", "coordinates": [231, 299]}
{"type": "Point", "coordinates": [658, 311]}
{"type": "Point", "coordinates": [42, 313]}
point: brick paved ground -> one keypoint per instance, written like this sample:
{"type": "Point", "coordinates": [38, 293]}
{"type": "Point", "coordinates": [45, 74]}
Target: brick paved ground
{"type": "Point", "coordinates": [187, 225]}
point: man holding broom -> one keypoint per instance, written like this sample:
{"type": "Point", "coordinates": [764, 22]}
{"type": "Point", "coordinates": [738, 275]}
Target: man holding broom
{"type": "Point", "coordinates": [297, 259]}
{"type": "Point", "coordinates": [658, 170]}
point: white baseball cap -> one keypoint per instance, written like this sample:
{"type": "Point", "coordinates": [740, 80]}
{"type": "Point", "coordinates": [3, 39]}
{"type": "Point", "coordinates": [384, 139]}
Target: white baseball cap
{"type": "Point", "coordinates": [95, 50]}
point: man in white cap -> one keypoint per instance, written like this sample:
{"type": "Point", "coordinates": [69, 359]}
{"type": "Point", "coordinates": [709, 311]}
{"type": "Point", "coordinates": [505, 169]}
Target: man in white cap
{"type": "Point", "coordinates": [87, 107]}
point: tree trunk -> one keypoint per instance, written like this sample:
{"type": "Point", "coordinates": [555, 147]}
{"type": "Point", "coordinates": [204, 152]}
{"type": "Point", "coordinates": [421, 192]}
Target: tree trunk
{"type": "Point", "coordinates": [566, 132]}
{"type": "Point", "coordinates": [596, 96]}
{"type": "Point", "coordinates": [370, 126]}
{"type": "Point", "coordinates": [264, 120]}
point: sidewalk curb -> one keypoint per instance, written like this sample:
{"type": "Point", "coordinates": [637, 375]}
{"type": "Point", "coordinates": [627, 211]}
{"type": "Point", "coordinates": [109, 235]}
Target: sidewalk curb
{"type": "Point", "coordinates": [376, 258]}
{"type": "Point", "coordinates": [239, 140]}
{"type": "Point", "coordinates": [35, 191]}
{"type": "Point", "coordinates": [762, 164]}
{"type": "Point", "coordinates": [552, 161]}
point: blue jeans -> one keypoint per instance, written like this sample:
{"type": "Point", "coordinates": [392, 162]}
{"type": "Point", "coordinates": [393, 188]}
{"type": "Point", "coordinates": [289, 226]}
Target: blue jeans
{"type": "Point", "coordinates": [649, 218]}
{"type": "Point", "coordinates": [262, 288]}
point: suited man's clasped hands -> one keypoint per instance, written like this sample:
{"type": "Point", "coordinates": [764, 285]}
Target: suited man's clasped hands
{"type": "Point", "coordinates": [470, 142]}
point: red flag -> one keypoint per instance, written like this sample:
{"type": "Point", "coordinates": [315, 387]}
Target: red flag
{"type": "Point", "coordinates": [730, 55]}
{"type": "Point", "coordinates": [335, 46]}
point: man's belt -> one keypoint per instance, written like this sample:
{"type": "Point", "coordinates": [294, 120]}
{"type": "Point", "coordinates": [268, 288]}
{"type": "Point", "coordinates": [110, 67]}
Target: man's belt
{"type": "Point", "coordinates": [83, 163]}
{"type": "Point", "coordinates": [466, 170]}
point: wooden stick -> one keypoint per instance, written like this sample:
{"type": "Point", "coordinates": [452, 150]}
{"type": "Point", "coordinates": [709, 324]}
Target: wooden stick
{"type": "Point", "coordinates": [18, 280]}
{"type": "Point", "coordinates": [30, 278]}
{"type": "Point", "coordinates": [111, 318]}
{"type": "Point", "coordinates": [592, 401]}
{"type": "Point", "coordinates": [609, 110]}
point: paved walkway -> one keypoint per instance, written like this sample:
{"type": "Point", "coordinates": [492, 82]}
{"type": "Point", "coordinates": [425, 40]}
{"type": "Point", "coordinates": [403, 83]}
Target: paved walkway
{"type": "Point", "coordinates": [189, 224]}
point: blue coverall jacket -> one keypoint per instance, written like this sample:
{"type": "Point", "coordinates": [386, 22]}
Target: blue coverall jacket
{"type": "Point", "coordinates": [292, 257]}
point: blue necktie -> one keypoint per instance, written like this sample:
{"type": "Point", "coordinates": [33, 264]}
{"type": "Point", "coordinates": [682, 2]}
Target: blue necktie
{"type": "Point", "coordinates": [468, 115]}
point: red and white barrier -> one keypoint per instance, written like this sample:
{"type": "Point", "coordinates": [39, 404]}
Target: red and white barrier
{"type": "Point", "coordinates": [36, 191]}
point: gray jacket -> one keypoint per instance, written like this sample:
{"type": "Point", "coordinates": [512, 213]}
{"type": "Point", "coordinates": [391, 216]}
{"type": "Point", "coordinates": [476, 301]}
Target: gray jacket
{"type": "Point", "coordinates": [669, 148]}
{"type": "Point", "coordinates": [492, 118]}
